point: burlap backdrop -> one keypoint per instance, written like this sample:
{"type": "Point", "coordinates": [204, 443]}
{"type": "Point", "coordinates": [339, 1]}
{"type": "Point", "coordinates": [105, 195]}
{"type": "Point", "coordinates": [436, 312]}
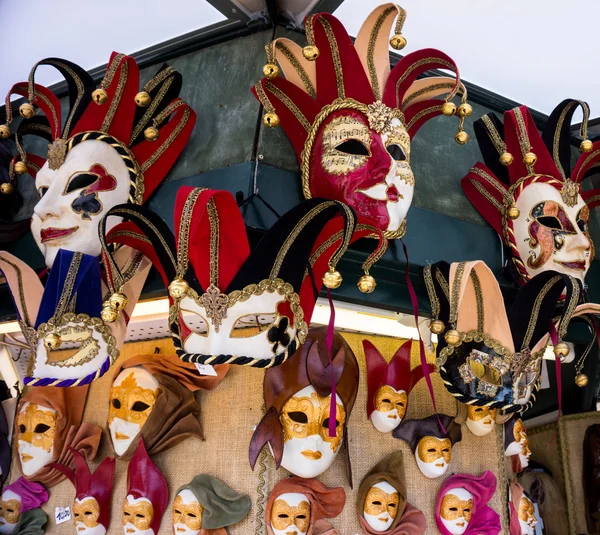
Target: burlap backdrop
{"type": "Point", "coordinates": [229, 415]}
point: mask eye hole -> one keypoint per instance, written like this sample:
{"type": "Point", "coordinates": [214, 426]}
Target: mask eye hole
{"type": "Point", "coordinates": [377, 502]}
{"type": "Point", "coordinates": [396, 152]}
{"type": "Point", "coordinates": [431, 450]}
{"type": "Point", "coordinates": [391, 505]}
{"type": "Point", "coordinates": [298, 417]}
{"type": "Point", "coordinates": [386, 400]}
{"type": "Point", "coordinates": [41, 428]}
{"type": "Point", "coordinates": [550, 221]}
{"type": "Point", "coordinates": [478, 409]}
{"type": "Point", "coordinates": [354, 147]}
{"type": "Point", "coordinates": [177, 512]}
{"type": "Point", "coordinates": [582, 225]}
{"type": "Point", "coordinates": [282, 515]}
{"type": "Point", "coordinates": [251, 325]}
{"type": "Point", "coordinates": [81, 181]}
{"type": "Point", "coordinates": [127, 514]}
{"type": "Point", "coordinates": [42, 191]}
{"type": "Point", "coordinates": [116, 403]}
{"type": "Point", "coordinates": [446, 450]}
{"type": "Point", "coordinates": [453, 508]}
{"type": "Point", "coordinates": [326, 423]}
{"type": "Point", "coordinates": [139, 406]}
{"type": "Point", "coordinates": [301, 517]}
{"type": "Point", "coordinates": [22, 428]}
{"type": "Point", "coordinates": [400, 403]}
{"type": "Point", "coordinates": [192, 515]}
{"type": "Point", "coordinates": [467, 510]}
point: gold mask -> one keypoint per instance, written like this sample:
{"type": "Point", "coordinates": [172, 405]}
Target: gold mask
{"type": "Point", "coordinates": [520, 435]}
{"type": "Point", "coordinates": [189, 514]}
{"type": "Point", "coordinates": [453, 508]}
{"type": "Point", "coordinates": [479, 413]}
{"type": "Point", "coordinates": [379, 502]}
{"type": "Point", "coordinates": [87, 512]}
{"type": "Point", "coordinates": [430, 449]}
{"type": "Point", "coordinates": [387, 399]}
{"type": "Point", "coordinates": [526, 510]}
{"type": "Point", "coordinates": [139, 514]}
{"type": "Point", "coordinates": [284, 516]}
{"type": "Point", "coordinates": [306, 416]}
{"type": "Point", "coordinates": [37, 426]}
{"type": "Point", "coordinates": [130, 402]}
{"type": "Point", "coordinates": [10, 510]}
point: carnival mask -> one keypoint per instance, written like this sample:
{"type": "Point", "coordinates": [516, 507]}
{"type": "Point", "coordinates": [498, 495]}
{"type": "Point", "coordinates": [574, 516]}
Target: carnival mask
{"type": "Point", "coordinates": [290, 514]}
{"type": "Point", "coordinates": [86, 513]}
{"type": "Point", "coordinates": [132, 398]}
{"type": "Point", "coordinates": [10, 511]}
{"type": "Point", "coordinates": [381, 506]}
{"type": "Point", "coordinates": [526, 514]}
{"type": "Point", "coordinates": [308, 449]}
{"type": "Point", "coordinates": [390, 408]}
{"type": "Point", "coordinates": [433, 456]}
{"type": "Point", "coordinates": [480, 420]}
{"type": "Point", "coordinates": [137, 516]}
{"type": "Point", "coordinates": [520, 445]}
{"type": "Point", "coordinates": [187, 513]}
{"type": "Point", "coordinates": [456, 510]}
{"type": "Point", "coordinates": [36, 429]}
{"type": "Point", "coordinates": [20, 502]}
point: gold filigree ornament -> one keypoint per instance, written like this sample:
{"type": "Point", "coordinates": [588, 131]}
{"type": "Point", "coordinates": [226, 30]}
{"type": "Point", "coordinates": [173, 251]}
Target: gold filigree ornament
{"type": "Point", "coordinates": [215, 304]}
{"type": "Point", "coordinates": [57, 152]}
{"type": "Point", "coordinates": [380, 117]}
{"type": "Point", "coordinates": [569, 193]}
{"type": "Point", "coordinates": [472, 336]}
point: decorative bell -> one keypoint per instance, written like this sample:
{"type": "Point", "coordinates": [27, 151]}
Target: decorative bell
{"type": "Point", "coordinates": [366, 284]}
{"type": "Point", "coordinates": [513, 212]}
{"type": "Point", "coordinates": [6, 188]}
{"type": "Point", "coordinates": [310, 52]}
{"type": "Point", "coordinates": [109, 314]}
{"type": "Point", "coordinates": [462, 137]}
{"type": "Point", "coordinates": [270, 71]}
{"type": "Point", "coordinates": [151, 133]}
{"type": "Point", "coordinates": [118, 301]}
{"type": "Point", "coordinates": [561, 350]}
{"type": "Point", "coordinates": [581, 380]}
{"type": "Point", "coordinates": [26, 110]}
{"type": "Point", "coordinates": [448, 108]}
{"type": "Point", "coordinates": [271, 119]}
{"type": "Point", "coordinates": [464, 110]}
{"type": "Point", "coordinates": [20, 168]}
{"type": "Point", "coordinates": [143, 99]}
{"type": "Point", "coordinates": [530, 158]}
{"type": "Point", "coordinates": [586, 145]}
{"type": "Point", "coordinates": [398, 41]}
{"type": "Point", "coordinates": [4, 131]}
{"type": "Point", "coordinates": [332, 279]}
{"type": "Point", "coordinates": [178, 288]}
{"type": "Point", "coordinates": [99, 96]}
{"type": "Point", "coordinates": [452, 337]}
{"type": "Point", "coordinates": [437, 327]}
{"type": "Point", "coordinates": [506, 158]}
{"type": "Point", "coordinates": [52, 341]}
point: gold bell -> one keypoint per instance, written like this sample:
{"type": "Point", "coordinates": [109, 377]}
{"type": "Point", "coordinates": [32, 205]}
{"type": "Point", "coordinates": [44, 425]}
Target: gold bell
{"type": "Point", "coordinates": [461, 138]}
{"type": "Point", "coordinates": [20, 168]}
{"type": "Point", "coordinates": [271, 119]}
{"type": "Point", "coordinates": [464, 110]}
{"type": "Point", "coordinates": [270, 71]}
{"type": "Point", "coordinates": [178, 288]}
{"type": "Point", "coordinates": [561, 350]}
{"type": "Point", "coordinates": [118, 301]}
{"type": "Point", "coordinates": [109, 314]}
{"type": "Point", "coordinates": [506, 158]}
{"type": "Point", "coordinates": [99, 96]}
{"type": "Point", "coordinates": [310, 52]}
{"type": "Point", "coordinates": [398, 42]}
{"type": "Point", "coordinates": [586, 146]}
{"type": "Point", "coordinates": [332, 279]}
{"type": "Point", "coordinates": [4, 131]}
{"type": "Point", "coordinates": [437, 326]}
{"type": "Point", "coordinates": [530, 158]}
{"type": "Point", "coordinates": [581, 380]}
{"type": "Point", "coordinates": [448, 108]}
{"type": "Point", "coordinates": [52, 341]}
{"type": "Point", "coordinates": [26, 110]}
{"type": "Point", "coordinates": [452, 337]}
{"type": "Point", "coordinates": [513, 212]}
{"type": "Point", "coordinates": [151, 133]}
{"type": "Point", "coordinates": [6, 188]}
{"type": "Point", "coordinates": [366, 284]}
{"type": "Point", "coordinates": [143, 99]}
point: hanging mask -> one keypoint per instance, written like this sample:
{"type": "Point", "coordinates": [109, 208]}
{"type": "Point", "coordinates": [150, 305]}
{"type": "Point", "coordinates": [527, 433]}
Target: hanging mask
{"type": "Point", "coordinates": [431, 446]}
{"type": "Point", "coordinates": [147, 495]}
{"type": "Point", "coordinates": [231, 305]}
{"type": "Point", "coordinates": [17, 499]}
{"type": "Point", "coordinates": [381, 505]}
{"type": "Point", "coordinates": [116, 146]}
{"type": "Point", "coordinates": [516, 444]}
{"type": "Point", "coordinates": [522, 511]}
{"type": "Point", "coordinates": [36, 426]}
{"type": "Point", "coordinates": [93, 493]}
{"type": "Point", "coordinates": [298, 424]}
{"type": "Point", "coordinates": [480, 420]}
{"type": "Point", "coordinates": [297, 506]}
{"type": "Point", "coordinates": [206, 505]}
{"type": "Point", "coordinates": [528, 193]}
{"type": "Point", "coordinates": [389, 385]}
{"type": "Point", "coordinates": [350, 118]}
{"type": "Point", "coordinates": [461, 506]}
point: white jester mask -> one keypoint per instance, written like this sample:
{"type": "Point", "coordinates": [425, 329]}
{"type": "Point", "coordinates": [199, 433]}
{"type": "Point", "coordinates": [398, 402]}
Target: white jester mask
{"type": "Point", "coordinates": [36, 429]}
{"type": "Point", "coordinates": [517, 442]}
{"type": "Point", "coordinates": [187, 514]}
{"type": "Point", "coordinates": [137, 516]}
{"type": "Point", "coordinates": [132, 397]}
{"type": "Point", "coordinates": [526, 514]}
{"type": "Point", "coordinates": [456, 510]}
{"type": "Point", "coordinates": [390, 408]}
{"type": "Point", "coordinates": [480, 420]}
{"type": "Point", "coordinates": [10, 511]}
{"type": "Point", "coordinates": [86, 513]}
{"type": "Point", "coordinates": [381, 506]}
{"type": "Point", "coordinates": [290, 514]}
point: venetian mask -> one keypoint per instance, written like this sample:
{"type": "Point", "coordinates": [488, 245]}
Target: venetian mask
{"type": "Point", "coordinates": [381, 506]}
{"type": "Point", "coordinates": [187, 513]}
{"type": "Point", "coordinates": [433, 456]}
{"type": "Point", "coordinates": [526, 514]}
{"type": "Point", "coordinates": [74, 197]}
{"type": "Point", "coordinates": [390, 408]}
{"type": "Point", "coordinates": [308, 450]}
{"type": "Point", "coordinates": [480, 420]}
{"type": "Point", "coordinates": [36, 429]}
{"type": "Point", "coordinates": [132, 398]}
{"type": "Point", "coordinates": [86, 513]}
{"type": "Point", "coordinates": [137, 516]}
{"type": "Point", "coordinates": [290, 514]}
{"type": "Point", "coordinates": [520, 445]}
{"type": "Point", "coordinates": [10, 511]}
{"type": "Point", "coordinates": [456, 510]}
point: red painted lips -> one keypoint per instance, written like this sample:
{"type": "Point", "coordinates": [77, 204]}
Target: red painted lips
{"type": "Point", "coordinates": [51, 233]}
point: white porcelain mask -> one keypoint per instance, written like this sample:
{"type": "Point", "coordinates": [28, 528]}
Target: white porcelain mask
{"type": "Point", "coordinates": [308, 450]}
{"type": "Point", "coordinates": [433, 456]}
{"type": "Point", "coordinates": [290, 514]}
{"type": "Point", "coordinates": [132, 397]}
{"type": "Point", "coordinates": [381, 506]}
{"type": "Point", "coordinates": [456, 510]}
{"type": "Point", "coordinates": [480, 420]}
{"type": "Point", "coordinates": [36, 429]}
{"type": "Point", "coordinates": [390, 408]}
{"type": "Point", "coordinates": [86, 513]}
{"type": "Point", "coordinates": [137, 516]}
{"type": "Point", "coordinates": [187, 514]}
{"type": "Point", "coordinates": [526, 514]}
{"type": "Point", "coordinates": [10, 511]}
{"type": "Point", "coordinates": [73, 199]}
{"type": "Point", "coordinates": [519, 446]}
{"type": "Point", "coordinates": [550, 234]}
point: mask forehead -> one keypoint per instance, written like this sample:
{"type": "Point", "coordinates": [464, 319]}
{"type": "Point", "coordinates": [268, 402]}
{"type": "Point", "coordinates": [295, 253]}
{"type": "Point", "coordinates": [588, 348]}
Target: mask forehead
{"type": "Point", "coordinates": [431, 449]}
{"type": "Point", "coordinates": [86, 511]}
{"type": "Point", "coordinates": [138, 511]}
{"type": "Point", "coordinates": [187, 510]}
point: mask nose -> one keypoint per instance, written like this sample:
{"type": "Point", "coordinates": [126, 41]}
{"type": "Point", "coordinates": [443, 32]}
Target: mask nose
{"type": "Point", "coordinates": [579, 242]}
{"type": "Point", "coordinates": [46, 207]}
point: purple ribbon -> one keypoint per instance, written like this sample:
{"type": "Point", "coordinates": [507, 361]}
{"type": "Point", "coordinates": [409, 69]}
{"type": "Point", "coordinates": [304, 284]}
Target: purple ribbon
{"type": "Point", "coordinates": [329, 342]}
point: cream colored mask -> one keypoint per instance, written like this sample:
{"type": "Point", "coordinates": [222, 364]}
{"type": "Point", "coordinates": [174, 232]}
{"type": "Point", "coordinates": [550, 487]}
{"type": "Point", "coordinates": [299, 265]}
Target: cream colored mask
{"type": "Point", "coordinates": [308, 450]}
{"type": "Point", "coordinates": [433, 456]}
{"type": "Point", "coordinates": [36, 429]}
{"type": "Point", "coordinates": [187, 514]}
{"type": "Point", "coordinates": [520, 445]}
{"type": "Point", "coordinates": [381, 506]}
{"type": "Point", "coordinates": [480, 420]}
{"type": "Point", "coordinates": [10, 511]}
{"type": "Point", "coordinates": [137, 516]}
{"type": "Point", "coordinates": [86, 513]}
{"type": "Point", "coordinates": [526, 514]}
{"type": "Point", "coordinates": [456, 510]}
{"type": "Point", "coordinates": [290, 514]}
{"type": "Point", "coordinates": [132, 397]}
{"type": "Point", "coordinates": [390, 408]}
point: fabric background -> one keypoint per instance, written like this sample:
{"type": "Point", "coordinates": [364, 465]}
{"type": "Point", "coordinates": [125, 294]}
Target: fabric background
{"type": "Point", "coordinates": [229, 415]}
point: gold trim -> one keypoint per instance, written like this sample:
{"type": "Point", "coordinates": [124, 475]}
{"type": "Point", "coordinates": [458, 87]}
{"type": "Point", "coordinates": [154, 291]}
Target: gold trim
{"type": "Point", "coordinates": [479, 300]}
{"type": "Point", "coordinates": [116, 100]}
{"type": "Point", "coordinates": [494, 135]}
{"type": "Point", "coordinates": [213, 217]}
{"type": "Point", "coordinates": [335, 54]}
{"type": "Point", "coordinates": [418, 64]}
{"type": "Point", "coordinates": [371, 49]}
{"type": "Point", "coordinates": [184, 232]}
{"type": "Point", "coordinates": [455, 298]}
{"type": "Point", "coordinates": [308, 86]}
{"type": "Point", "coordinates": [433, 299]}
{"type": "Point", "coordinates": [524, 142]}
{"type": "Point", "coordinates": [139, 127]}
{"type": "Point", "coordinates": [288, 103]}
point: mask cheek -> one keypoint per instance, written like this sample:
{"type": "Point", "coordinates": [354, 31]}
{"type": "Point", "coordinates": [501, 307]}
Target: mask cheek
{"type": "Point", "coordinates": [34, 458]}
{"type": "Point", "coordinates": [307, 457]}
{"type": "Point", "coordinates": [122, 434]}
{"type": "Point", "coordinates": [383, 422]}
{"type": "Point", "coordinates": [431, 470]}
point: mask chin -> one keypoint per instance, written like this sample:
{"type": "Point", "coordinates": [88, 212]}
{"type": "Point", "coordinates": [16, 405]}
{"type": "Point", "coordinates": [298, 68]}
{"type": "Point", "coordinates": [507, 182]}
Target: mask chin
{"type": "Point", "coordinates": [479, 428]}
{"type": "Point", "coordinates": [36, 457]}
{"type": "Point", "coordinates": [97, 530]}
{"type": "Point", "coordinates": [376, 524]}
{"type": "Point", "coordinates": [382, 421]}
{"type": "Point", "coordinates": [307, 464]}
{"type": "Point", "coordinates": [6, 528]}
{"type": "Point", "coordinates": [430, 470]}
{"type": "Point", "coordinates": [181, 529]}
{"type": "Point", "coordinates": [119, 429]}
{"type": "Point", "coordinates": [526, 529]}
{"type": "Point", "coordinates": [453, 528]}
